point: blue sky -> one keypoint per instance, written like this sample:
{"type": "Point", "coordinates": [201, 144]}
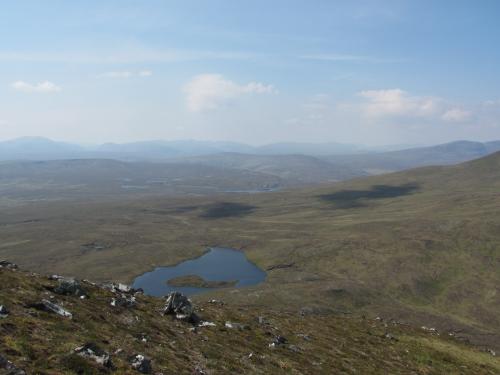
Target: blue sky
{"type": "Point", "coordinates": [370, 72]}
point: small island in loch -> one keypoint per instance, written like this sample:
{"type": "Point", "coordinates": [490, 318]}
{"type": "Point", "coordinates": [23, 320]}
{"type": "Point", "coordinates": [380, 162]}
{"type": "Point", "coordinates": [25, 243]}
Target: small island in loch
{"type": "Point", "coordinates": [196, 281]}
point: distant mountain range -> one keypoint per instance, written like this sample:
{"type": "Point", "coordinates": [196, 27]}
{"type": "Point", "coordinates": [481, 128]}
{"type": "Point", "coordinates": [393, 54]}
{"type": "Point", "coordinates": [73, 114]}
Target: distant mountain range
{"type": "Point", "coordinates": [39, 148]}
{"type": "Point", "coordinates": [295, 163]}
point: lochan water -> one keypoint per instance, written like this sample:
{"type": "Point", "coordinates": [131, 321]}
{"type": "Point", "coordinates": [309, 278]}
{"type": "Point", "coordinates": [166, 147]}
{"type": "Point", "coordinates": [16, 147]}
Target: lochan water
{"type": "Point", "coordinates": [218, 264]}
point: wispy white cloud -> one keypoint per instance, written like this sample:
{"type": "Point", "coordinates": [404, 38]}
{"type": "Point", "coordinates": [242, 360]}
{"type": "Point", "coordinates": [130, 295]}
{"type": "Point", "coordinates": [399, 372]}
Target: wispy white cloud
{"type": "Point", "coordinates": [456, 115]}
{"type": "Point", "coordinates": [399, 103]}
{"type": "Point", "coordinates": [396, 102]}
{"type": "Point", "coordinates": [145, 73]}
{"type": "Point", "coordinates": [209, 91]}
{"type": "Point", "coordinates": [42, 87]}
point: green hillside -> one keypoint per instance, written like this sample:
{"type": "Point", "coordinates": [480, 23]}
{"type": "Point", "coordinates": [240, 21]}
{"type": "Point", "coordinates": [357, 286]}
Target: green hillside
{"type": "Point", "coordinates": [102, 338]}
{"type": "Point", "coordinates": [420, 246]}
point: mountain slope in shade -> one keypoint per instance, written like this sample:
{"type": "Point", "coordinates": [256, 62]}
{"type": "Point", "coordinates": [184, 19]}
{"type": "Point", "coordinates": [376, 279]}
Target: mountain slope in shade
{"type": "Point", "coordinates": [445, 154]}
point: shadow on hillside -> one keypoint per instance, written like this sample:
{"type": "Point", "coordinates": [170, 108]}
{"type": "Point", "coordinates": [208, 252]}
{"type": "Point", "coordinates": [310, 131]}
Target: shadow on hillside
{"type": "Point", "coordinates": [227, 209]}
{"type": "Point", "coordinates": [355, 198]}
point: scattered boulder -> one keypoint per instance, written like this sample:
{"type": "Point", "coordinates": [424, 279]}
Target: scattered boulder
{"type": "Point", "coordinates": [492, 352]}
{"type": "Point", "coordinates": [206, 324]}
{"type": "Point", "coordinates": [69, 287]}
{"type": "Point", "coordinates": [278, 341]}
{"type": "Point", "coordinates": [124, 301]}
{"type": "Point", "coordinates": [55, 277]}
{"type": "Point", "coordinates": [141, 364]}
{"type": "Point", "coordinates": [390, 336]}
{"type": "Point", "coordinates": [238, 326]}
{"type": "Point", "coordinates": [8, 265]}
{"type": "Point", "coordinates": [198, 370]}
{"type": "Point", "coordinates": [4, 312]}
{"type": "Point", "coordinates": [9, 367]}
{"type": "Point", "coordinates": [179, 305]}
{"type": "Point", "coordinates": [93, 352]}
{"type": "Point", "coordinates": [48, 306]}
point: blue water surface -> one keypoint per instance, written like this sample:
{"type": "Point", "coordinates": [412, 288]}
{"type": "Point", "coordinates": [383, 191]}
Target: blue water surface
{"type": "Point", "coordinates": [218, 264]}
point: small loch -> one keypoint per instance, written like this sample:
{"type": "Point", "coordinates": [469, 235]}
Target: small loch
{"type": "Point", "coordinates": [217, 265]}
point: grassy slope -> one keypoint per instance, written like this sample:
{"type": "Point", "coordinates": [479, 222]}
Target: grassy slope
{"type": "Point", "coordinates": [429, 255]}
{"type": "Point", "coordinates": [43, 343]}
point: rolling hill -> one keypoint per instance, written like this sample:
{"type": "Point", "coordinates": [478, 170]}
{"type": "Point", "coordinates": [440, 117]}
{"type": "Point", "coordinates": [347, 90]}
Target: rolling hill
{"type": "Point", "coordinates": [445, 154]}
{"type": "Point", "coordinates": [298, 169]}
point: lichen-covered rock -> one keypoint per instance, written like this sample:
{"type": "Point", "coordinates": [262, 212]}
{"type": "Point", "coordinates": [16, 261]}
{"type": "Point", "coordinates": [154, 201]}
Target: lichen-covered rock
{"type": "Point", "coordinates": [9, 367]}
{"type": "Point", "coordinates": [69, 287]}
{"type": "Point", "coordinates": [124, 301]}
{"type": "Point", "coordinates": [141, 364]}
{"type": "Point", "coordinates": [93, 352]}
{"type": "Point", "coordinates": [48, 306]}
{"type": "Point", "coordinates": [4, 312]}
{"type": "Point", "coordinates": [8, 265]}
{"type": "Point", "coordinates": [179, 305]}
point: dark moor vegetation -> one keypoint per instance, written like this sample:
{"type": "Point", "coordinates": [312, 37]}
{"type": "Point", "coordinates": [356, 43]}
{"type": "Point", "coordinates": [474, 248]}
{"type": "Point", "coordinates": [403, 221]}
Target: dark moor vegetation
{"type": "Point", "coordinates": [44, 343]}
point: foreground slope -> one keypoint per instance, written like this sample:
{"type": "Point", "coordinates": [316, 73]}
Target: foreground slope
{"type": "Point", "coordinates": [237, 340]}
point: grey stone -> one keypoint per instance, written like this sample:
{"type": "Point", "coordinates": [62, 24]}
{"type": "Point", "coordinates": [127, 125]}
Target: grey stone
{"type": "Point", "coordinates": [124, 301]}
{"type": "Point", "coordinates": [8, 265]}
{"type": "Point", "coordinates": [69, 287]}
{"type": "Point", "coordinates": [4, 312]}
{"type": "Point", "coordinates": [180, 306]}
{"type": "Point", "coordinates": [141, 364]}
{"type": "Point", "coordinates": [9, 367]}
{"type": "Point", "coordinates": [48, 306]}
{"type": "Point", "coordinates": [93, 352]}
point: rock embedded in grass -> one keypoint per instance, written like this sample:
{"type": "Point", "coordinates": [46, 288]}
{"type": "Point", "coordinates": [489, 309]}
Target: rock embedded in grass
{"type": "Point", "coordinates": [51, 307]}
{"type": "Point", "coordinates": [9, 367]}
{"type": "Point", "coordinates": [124, 301]}
{"type": "Point", "coordinates": [69, 287]}
{"type": "Point", "coordinates": [93, 352]}
{"type": "Point", "coordinates": [8, 265]}
{"type": "Point", "coordinates": [179, 305]}
{"type": "Point", "coordinates": [4, 312]}
{"type": "Point", "coordinates": [141, 364]}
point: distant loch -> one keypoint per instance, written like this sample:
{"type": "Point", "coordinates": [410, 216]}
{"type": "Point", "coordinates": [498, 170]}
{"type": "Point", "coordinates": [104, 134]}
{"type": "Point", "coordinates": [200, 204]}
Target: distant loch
{"type": "Point", "coordinates": [216, 266]}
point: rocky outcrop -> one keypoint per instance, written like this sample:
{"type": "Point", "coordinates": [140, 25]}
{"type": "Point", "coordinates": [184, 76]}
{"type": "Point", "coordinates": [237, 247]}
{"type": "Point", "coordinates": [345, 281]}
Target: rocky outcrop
{"type": "Point", "coordinates": [180, 306]}
{"type": "Point", "coordinates": [69, 287]}
{"type": "Point", "coordinates": [51, 307]}
{"type": "Point", "coordinates": [124, 300]}
{"type": "Point", "coordinates": [120, 288]}
{"type": "Point", "coordinates": [9, 367]}
{"type": "Point", "coordinates": [141, 364]}
{"type": "Point", "coordinates": [93, 352]}
{"type": "Point", "coordinates": [8, 265]}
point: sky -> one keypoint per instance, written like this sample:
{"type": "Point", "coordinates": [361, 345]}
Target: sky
{"type": "Point", "coordinates": [355, 71]}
